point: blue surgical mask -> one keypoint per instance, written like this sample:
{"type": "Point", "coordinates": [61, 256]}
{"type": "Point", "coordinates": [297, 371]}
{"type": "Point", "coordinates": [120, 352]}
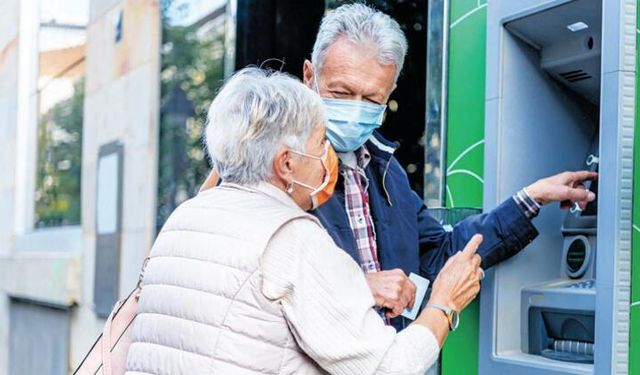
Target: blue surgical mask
{"type": "Point", "coordinates": [351, 122]}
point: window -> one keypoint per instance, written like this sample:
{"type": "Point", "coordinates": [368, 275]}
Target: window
{"type": "Point", "coordinates": [193, 53]}
{"type": "Point", "coordinates": [62, 40]}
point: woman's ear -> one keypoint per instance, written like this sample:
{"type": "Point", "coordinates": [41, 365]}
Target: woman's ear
{"type": "Point", "coordinates": [282, 165]}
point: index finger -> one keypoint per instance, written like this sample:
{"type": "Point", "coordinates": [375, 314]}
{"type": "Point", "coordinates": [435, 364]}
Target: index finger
{"type": "Point", "coordinates": [580, 176]}
{"type": "Point", "coordinates": [472, 245]}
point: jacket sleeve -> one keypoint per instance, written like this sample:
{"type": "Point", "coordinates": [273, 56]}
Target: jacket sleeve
{"type": "Point", "coordinates": [506, 231]}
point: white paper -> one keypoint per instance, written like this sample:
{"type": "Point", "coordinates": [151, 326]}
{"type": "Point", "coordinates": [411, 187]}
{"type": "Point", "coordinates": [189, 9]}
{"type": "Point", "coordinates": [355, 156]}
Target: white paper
{"type": "Point", "coordinates": [422, 285]}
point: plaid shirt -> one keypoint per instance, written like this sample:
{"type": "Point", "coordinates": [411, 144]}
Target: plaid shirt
{"type": "Point", "coordinates": [356, 184]}
{"type": "Point", "coordinates": [352, 168]}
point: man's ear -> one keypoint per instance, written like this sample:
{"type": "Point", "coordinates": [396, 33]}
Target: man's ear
{"type": "Point", "coordinates": [282, 166]}
{"type": "Point", "coordinates": [307, 73]}
{"type": "Point", "coordinates": [393, 88]}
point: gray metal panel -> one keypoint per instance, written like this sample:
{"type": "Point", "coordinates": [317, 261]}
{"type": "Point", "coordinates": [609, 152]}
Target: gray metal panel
{"type": "Point", "coordinates": [614, 239]}
{"type": "Point", "coordinates": [38, 339]}
{"type": "Point", "coordinates": [107, 252]}
{"type": "Point", "coordinates": [549, 27]}
{"type": "Point", "coordinates": [499, 12]}
{"type": "Point", "coordinates": [106, 280]}
{"type": "Point", "coordinates": [565, 54]}
{"type": "Point", "coordinates": [619, 32]}
{"type": "Point", "coordinates": [526, 139]}
{"type": "Point", "coordinates": [510, 123]}
{"type": "Point", "coordinates": [436, 102]}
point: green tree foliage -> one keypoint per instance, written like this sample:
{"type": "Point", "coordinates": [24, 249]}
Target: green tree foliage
{"type": "Point", "coordinates": [192, 70]}
{"type": "Point", "coordinates": [59, 161]}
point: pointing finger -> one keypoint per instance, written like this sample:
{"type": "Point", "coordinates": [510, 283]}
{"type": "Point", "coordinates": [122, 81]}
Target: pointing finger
{"type": "Point", "coordinates": [472, 246]}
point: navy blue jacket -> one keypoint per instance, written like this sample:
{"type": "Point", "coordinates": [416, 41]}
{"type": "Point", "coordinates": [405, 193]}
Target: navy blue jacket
{"type": "Point", "coordinates": [407, 237]}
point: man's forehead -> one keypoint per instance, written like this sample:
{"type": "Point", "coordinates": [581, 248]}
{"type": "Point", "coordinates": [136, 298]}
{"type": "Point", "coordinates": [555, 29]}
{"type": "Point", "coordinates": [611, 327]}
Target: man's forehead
{"type": "Point", "coordinates": [361, 77]}
{"type": "Point", "coordinates": [344, 53]}
{"type": "Point", "coordinates": [356, 65]}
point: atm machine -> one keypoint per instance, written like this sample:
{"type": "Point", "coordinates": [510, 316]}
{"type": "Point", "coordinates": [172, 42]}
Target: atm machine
{"type": "Point", "coordinates": [560, 96]}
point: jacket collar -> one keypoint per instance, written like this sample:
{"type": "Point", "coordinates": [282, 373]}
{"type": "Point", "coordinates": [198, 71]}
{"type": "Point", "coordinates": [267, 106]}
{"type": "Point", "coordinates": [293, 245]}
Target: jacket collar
{"type": "Point", "coordinates": [382, 151]}
{"type": "Point", "coordinates": [380, 147]}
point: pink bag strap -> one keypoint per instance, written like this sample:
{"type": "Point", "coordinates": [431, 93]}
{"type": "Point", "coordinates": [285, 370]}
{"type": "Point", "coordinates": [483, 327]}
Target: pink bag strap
{"type": "Point", "coordinates": [106, 333]}
{"type": "Point", "coordinates": [106, 339]}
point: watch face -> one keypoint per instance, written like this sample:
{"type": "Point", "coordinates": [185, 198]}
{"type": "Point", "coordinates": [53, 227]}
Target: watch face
{"type": "Point", "coordinates": [454, 320]}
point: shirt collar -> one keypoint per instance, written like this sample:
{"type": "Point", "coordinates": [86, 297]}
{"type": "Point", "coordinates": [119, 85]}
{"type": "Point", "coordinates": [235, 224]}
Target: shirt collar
{"type": "Point", "coordinates": [360, 157]}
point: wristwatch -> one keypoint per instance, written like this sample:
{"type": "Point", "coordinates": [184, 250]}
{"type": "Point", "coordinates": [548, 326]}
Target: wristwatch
{"type": "Point", "coordinates": [451, 314]}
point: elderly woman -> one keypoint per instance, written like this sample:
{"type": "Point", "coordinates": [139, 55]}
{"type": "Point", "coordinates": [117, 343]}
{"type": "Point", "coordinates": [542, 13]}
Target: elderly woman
{"type": "Point", "coordinates": [243, 280]}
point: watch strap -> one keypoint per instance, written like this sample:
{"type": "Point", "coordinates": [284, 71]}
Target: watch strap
{"type": "Point", "coordinates": [448, 312]}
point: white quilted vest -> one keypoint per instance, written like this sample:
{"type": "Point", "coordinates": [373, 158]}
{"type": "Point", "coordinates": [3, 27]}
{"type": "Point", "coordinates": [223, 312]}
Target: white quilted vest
{"type": "Point", "coordinates": [201, 310]}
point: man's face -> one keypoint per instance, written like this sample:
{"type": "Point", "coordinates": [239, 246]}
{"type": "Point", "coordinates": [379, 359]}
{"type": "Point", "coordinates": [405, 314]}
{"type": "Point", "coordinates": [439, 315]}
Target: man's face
{"type": "Point", "coordinates": [352, 72]}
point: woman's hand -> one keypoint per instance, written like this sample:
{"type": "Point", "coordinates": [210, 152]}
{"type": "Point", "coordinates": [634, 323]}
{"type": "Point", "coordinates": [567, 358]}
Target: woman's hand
{"type": "Point", "coordinates": [457, 284]}
{"type": "Point", "coordinates": [392, 290]}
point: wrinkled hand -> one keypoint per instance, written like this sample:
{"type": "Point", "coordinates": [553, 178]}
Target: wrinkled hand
{"type": "Point", "coordinates": [565, 187]}
{"type": "Point", "coordinates": [211, 181]}
{"type": "Point", "coordinates": [458, 283]}
{"type": "Point", "coordinates": [392, 290]}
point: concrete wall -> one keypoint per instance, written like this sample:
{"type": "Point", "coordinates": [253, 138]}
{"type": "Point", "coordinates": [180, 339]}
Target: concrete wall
{"type": "Point", "coordinates": [8, 120]}
{"type": "Point", "coordinates": [121, 103]}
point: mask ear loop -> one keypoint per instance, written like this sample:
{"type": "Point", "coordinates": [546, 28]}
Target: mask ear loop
{"type": "Point", "coordinates": [322, 159]}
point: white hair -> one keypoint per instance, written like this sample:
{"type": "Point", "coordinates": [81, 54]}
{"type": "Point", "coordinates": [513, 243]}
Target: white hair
{"type": "Point", "coordinates": [364, 26]}
{"type": "Point", "coordinates": [255, 113]}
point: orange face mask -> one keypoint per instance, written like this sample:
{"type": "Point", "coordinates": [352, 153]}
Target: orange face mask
{"type": "Point", "coordinates": [323, 193]}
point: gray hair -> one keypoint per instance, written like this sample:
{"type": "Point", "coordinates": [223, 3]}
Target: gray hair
{"type": "Point", "coordinates": [255, 113]}
{"type": "Point", "coordinates": [361, 25]}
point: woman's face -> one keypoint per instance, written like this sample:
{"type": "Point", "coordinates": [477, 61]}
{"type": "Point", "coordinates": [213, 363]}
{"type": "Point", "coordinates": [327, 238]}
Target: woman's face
{"type": "Point", "coordinates": [309, 170]}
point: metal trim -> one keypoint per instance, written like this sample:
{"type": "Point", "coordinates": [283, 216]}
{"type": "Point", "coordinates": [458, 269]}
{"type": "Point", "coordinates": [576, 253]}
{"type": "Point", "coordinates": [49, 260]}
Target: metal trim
{"type": "Point", "coordinates": [231, 24]}
{"type": "Point", "coordinates": [436, 101]}
{"type": "Point", "coordinates": [622, 268]}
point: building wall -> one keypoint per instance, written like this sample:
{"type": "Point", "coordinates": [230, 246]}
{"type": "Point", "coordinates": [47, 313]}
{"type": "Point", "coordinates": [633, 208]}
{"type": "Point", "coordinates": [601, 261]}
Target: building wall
{"type": "Point", "coordinates": [9, 30]}
{"type": "Point", "coordinates": [121, 103]}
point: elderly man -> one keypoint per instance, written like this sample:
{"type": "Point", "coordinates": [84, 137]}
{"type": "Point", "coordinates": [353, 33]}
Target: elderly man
{"type": "Point", "coordinates": [374, 215]}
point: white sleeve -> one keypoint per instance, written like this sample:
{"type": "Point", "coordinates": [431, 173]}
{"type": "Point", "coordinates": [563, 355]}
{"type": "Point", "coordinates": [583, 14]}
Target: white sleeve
{"type": "Point", "coordinates": [329, 307]}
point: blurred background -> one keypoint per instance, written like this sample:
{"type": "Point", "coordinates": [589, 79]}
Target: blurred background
{"type": "Point", "coordinates": [102, 111]}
